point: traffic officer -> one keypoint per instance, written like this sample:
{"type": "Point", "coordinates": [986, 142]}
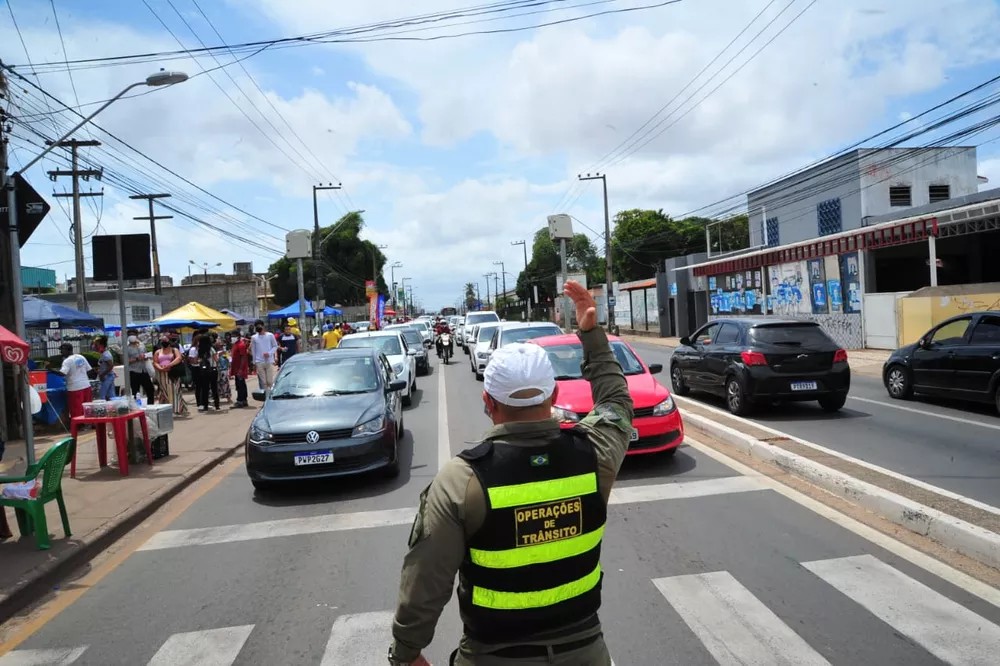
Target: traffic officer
{"type": "Point", "coordinates": [520, 517]}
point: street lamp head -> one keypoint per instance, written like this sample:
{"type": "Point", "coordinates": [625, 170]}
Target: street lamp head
{"type": "Point", "coordinates": [163, 78]}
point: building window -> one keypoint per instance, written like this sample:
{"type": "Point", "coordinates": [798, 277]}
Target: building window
{"type": "Point", "coordinates": [771, 239]}
{"type": "Point", "coordinates": [899, 195]}
{"type": "Point", "coordinates": [939, 193]}
{"type": "Point", "coordinates": [140, 313]}
{"type": "Point", "coordinates": [828, 220]}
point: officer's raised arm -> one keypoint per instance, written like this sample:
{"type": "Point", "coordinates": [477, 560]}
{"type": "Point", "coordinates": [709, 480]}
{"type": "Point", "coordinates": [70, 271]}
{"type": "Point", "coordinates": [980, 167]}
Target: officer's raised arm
{"type": "Point", "coordinates": [610, 422]}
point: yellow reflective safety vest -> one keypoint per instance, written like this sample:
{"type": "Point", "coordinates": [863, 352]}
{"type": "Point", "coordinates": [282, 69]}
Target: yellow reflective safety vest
{"type": "Point", "coordinates": [534, 565]}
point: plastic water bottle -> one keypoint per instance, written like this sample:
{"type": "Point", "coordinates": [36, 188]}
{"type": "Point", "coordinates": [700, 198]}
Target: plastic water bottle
{"type": "Point", "coordinates": [137, 401]}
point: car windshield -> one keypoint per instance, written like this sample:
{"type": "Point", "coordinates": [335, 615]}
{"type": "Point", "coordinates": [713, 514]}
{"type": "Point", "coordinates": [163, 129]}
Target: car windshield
{"type": "Point", "coordinates": [567, 359]}
{"type": "Point", "coordinates": [412, 337]}
{"type": "Point", "coordinates": [325, 377]}
{"type": "Point", "coordinates": [522, 334]}
{"type": "Point", "coordinates": [791, 335]}
{"type": "Point", "coordinates": [387, 344]}
{"type": "Point", "coordinates": [485, 333]}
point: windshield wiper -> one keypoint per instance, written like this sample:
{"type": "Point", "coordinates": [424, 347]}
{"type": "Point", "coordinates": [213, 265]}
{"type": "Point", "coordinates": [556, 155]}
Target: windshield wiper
{"type": "Point", "coordinates": [288, 396]}
{"type": "Point", "coordinates": [331, 392]}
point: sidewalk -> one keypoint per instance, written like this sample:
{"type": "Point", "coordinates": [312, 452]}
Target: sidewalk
{"type": "Point", "coordinates": [863, 361]}
{"type": "Point", "coordinates": [102, 504]}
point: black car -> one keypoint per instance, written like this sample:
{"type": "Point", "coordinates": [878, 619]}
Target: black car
{"type": "Point", "coordinates": [331, 413]}
{"type": "Point", "coordinates": [762, 360]}
{"type": "Point", "coordinates": [958, 358]}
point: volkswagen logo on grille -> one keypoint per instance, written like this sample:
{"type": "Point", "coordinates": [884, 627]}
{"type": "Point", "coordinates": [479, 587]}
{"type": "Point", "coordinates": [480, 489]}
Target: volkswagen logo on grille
{"type": "Point", "coordinates": [312, 437]}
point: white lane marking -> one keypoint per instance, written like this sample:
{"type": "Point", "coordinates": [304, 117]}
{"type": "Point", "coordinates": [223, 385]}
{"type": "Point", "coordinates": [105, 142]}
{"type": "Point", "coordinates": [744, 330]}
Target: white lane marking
{"type": "Point", "coordinates": [684, 489]}
{"type": "Point", "coordinates": [733, 624]}
{"type": "Point", "coordinates": [924, 412]}
{"type": "Point", "coordinates": [444, 442]}
{"type": "Point", "coordinates": [54, 657]}
{"type": "Point", "coordinates": [913, 556]}
{"type": "Point", "coordinates": [337, 522]}
{"type": "Point", "coordinates": [946, 629]}
{"type": "Point", "coordinates": [843, 456]}
{"type": "Point", "coordinates": [201, 536]}
{"type": "Point", "coordinates": [359, 639]}
{"type": "Point", "coordinates": [210, 647]}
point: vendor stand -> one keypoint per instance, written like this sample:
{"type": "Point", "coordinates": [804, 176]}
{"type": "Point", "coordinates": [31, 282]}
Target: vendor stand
{"type": "Point", "coordinates": [13, 350]}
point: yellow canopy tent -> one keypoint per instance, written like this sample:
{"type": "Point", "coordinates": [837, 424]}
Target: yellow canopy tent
{"type": "Point", "coordinates": [195, 311]}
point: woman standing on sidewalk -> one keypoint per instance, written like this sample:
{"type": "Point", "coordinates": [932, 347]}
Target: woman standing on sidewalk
{"type": "Point", "coordinates": [167, 361]}
{"type": "Point", "coordinates": [225, 390]}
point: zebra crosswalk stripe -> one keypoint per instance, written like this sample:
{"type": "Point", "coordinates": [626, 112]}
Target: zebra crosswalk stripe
{"type": "Point", "coordinates": [211, 647]}
{"type": "Point", "coordinates": [361, 639]}
{"type": "Point", "coordinates": [946, 629]}
{"type": "Point", "coordinates": [734, 625]}
{"type": "Point", "coordinates": [54, 657]}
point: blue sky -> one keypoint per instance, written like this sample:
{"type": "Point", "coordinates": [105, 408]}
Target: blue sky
{"type": "Point", "coordinates": [455, 148]}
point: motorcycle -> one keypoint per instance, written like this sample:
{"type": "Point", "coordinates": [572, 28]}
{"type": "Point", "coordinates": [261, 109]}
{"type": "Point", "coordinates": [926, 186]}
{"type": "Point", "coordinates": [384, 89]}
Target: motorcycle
{"type": "Point", "coordinates": [446, 347]}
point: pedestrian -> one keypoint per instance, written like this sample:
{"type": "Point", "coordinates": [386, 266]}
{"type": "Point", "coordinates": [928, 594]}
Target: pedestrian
{"type": "Point", "coordinates": [225, 389]}
{"type": "Point", "coordinates": [528, 558]}
{"type": "Point", "coordinates": [76, 369]}
{"type": "Point", "coordinates": [239, 367]}
{"type": "Point", "coordinates": [170, 368]}
{"type": "Point", "coordinates": [207, 379]}
{"type": "Point", "coordinates": [138, 375]}
{"type": "Point", "coordinates": [263, 348]}
{"type": "Point", "coordinates": [289, 342]}
{"type": "Point", "coordinates": [105, 368]}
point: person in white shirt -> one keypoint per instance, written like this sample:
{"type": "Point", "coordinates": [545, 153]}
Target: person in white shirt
{"type": "Point", "coordinates": [76, 369]}
{"type": "Point", "coordinates": [263, 348]}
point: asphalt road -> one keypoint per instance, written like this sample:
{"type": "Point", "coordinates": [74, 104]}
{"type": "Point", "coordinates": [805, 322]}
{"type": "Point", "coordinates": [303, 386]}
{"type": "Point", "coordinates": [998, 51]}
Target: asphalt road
{"type": "Point", "coordinates": [703, 565]}
{"type": "Point", "coordinates": [949, 444]}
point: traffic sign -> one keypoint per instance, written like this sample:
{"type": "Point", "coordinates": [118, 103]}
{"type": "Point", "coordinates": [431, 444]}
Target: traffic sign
{"type": "Point", "coordinates": [31, 209]}
{"type": "Point", "coordinates": [611, 301]}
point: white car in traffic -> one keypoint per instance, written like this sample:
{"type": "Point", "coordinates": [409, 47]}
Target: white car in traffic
{"type": "Point", "coordinates": [400, 356]}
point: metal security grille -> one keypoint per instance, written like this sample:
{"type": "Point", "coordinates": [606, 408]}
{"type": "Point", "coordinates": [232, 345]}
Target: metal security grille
{"type": "Point", "coordinates": [828, 219]}
{"type": "Point", "coordinates": [772, 239]}
{"type": "Point", "coordinates": [899, 195]}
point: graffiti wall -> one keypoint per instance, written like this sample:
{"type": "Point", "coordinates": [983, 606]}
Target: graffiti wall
{"type": "Point", "coordinates": [788, 289]}
{"type": "Point", "coordinates": [737, 293]}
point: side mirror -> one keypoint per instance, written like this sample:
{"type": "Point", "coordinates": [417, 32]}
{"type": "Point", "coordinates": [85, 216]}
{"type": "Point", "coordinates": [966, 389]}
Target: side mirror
{"type": "Point", "coordinates": [397, 385]}
{"type": "Point", "coordinates": [655, 368]}
{"type": "Point", "coordinates": [411, 352]}
{"type": "Point", "coordinates": [685, 341]}
{"type": "Point", "coordinates": [259, 396]}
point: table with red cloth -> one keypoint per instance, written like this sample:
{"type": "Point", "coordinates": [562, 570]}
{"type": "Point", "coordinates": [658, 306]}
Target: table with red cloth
{"type": "Point", "coordinates": [118, 423]}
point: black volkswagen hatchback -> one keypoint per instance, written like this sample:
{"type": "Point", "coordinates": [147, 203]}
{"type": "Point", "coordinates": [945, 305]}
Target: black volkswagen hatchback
{"type": "Point", "coordinates": [757, 360]}
{"type": "Point", "coordinates": [330, 413]}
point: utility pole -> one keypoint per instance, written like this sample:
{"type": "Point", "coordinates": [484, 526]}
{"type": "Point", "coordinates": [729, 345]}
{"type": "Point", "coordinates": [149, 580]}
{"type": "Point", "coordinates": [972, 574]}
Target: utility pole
{"type": "Point", "coordinates": [496, 290]}
{"type": "Point", "coordinates": [527, 302]}
{"type": "Point", "coordinates": [317, 262]}
{"type": "Point", "coordinates": [157, 287]}
{"type": "Point", "coordinates": [392, 274]}
{"type": "Point", "coordinates": [503, 273]}
{"type": "Point", "coordinates": [608, 273]}
{"type": "Point", "coordinates": [488, 276]}
{"type": "Point", "coordinates": [479, 298]}
{"type": "Point", "coordinates": [76, 173]}
{"type": "Point", "coordinates": [375, 249]}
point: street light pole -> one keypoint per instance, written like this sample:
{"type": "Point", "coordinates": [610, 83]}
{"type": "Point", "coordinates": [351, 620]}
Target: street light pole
{"type": "Point", "coordinates": [504, 274]}
{"type": "Point", "coordinates": [392, 274]}
{"type": "Point", "coordinates": [608, 273]}
{"type": "Point", "coordinates": [317, 263]}
{"type": "Point", "coordinates": [403, 282]}
{"type": "Point", "coordinates": [160, 78]}
{"type": "Point", "coordinates": [527, 302]}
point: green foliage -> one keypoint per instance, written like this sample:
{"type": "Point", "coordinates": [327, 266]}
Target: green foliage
{"type": "Point", "coordinates": [546, 264]}
{"type": "Point", "coordinates": [345, 263]}
{"type": "Point", "coordinates": [643, 239]}
{"type": "Point", "coordinates": [470, 295]}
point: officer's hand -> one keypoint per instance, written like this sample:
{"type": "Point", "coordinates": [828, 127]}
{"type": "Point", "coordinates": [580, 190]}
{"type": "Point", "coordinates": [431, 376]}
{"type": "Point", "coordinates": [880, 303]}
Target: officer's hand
{"type": "Point", "coordinates": [586, 307]}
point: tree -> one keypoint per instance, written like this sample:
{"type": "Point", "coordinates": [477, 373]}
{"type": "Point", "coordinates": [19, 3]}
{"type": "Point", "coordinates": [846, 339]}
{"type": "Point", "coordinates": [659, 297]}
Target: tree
{"type": "Point", "coordinates": [546, 264]}
{"type": "Point", "coordinates": [345, 261]}
{"type": "Point", "coordinates": [470, 296]}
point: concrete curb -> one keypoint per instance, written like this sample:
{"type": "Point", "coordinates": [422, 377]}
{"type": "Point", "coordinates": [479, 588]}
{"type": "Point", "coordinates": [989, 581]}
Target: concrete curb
{"type": "Point", "coordinates": [971, 540]}
{"type": "Point", "coordinates": [30, 590]}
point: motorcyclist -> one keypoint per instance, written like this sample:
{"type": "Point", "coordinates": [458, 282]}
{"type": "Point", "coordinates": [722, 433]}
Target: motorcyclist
{"type": "Point", "coordinates": [441, 327]}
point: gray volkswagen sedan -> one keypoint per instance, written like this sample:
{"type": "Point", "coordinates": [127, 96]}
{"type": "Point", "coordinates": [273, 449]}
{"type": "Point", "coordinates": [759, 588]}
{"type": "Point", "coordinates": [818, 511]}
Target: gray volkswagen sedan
{"type": "Point", "coordinates": [331, 413]}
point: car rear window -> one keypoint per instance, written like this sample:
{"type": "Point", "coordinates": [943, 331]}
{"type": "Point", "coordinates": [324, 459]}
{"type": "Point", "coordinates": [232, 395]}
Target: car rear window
{"type": "Point", "coordinates": [522, 334]}
{"type": "Point", "coordinates": [806, 335]}
{"type": "Point", "coordinates": [481, 317]}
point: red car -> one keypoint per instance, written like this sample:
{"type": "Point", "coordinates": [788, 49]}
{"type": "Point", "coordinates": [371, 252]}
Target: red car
{"type": "Point", "coordinates": [657, 424]}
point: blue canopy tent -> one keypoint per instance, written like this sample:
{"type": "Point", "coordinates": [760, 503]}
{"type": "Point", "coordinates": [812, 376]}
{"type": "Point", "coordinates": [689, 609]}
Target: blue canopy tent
{"type": "Point", "coordinates": [113, 328]}
{"type": "Point", "coordinates": [291, 311]}
{"type": "Point", "coordinates": [40, 313]}
{"type": "Point", "coordinates": [329, 312]}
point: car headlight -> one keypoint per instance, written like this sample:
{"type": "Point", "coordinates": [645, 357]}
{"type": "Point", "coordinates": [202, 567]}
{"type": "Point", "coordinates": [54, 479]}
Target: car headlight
{"type": "Point", "coordinates": [664, 407]}
{"type": "Point", "coordinates": [372, 427]}
{"type": "Point", "coordinates": [564, 415]}
{"type": "Point", "coordinates": [398, 368]}
{"type": "Point", "coordinates": [260, 436]}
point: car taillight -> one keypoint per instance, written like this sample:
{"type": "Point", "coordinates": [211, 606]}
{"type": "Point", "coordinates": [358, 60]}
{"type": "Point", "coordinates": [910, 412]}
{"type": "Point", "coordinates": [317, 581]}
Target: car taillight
{"type": "Point", "coordinates": [840, 356]}
{"type": "Point", "coordinates": [753, 358]}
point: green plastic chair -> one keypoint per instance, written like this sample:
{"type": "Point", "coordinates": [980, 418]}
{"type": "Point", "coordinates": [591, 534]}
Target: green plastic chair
{"type": "Point", "coordinates": [31, 512]}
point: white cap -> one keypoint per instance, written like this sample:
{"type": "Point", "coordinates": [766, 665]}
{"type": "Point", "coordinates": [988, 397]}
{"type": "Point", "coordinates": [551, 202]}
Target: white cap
{"type": "Point", "coordinates": [519, 368]}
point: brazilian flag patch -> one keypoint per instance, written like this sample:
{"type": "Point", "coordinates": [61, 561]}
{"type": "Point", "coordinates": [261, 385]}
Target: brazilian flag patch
{"type": "Point", "coordinates": [540, 460]}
